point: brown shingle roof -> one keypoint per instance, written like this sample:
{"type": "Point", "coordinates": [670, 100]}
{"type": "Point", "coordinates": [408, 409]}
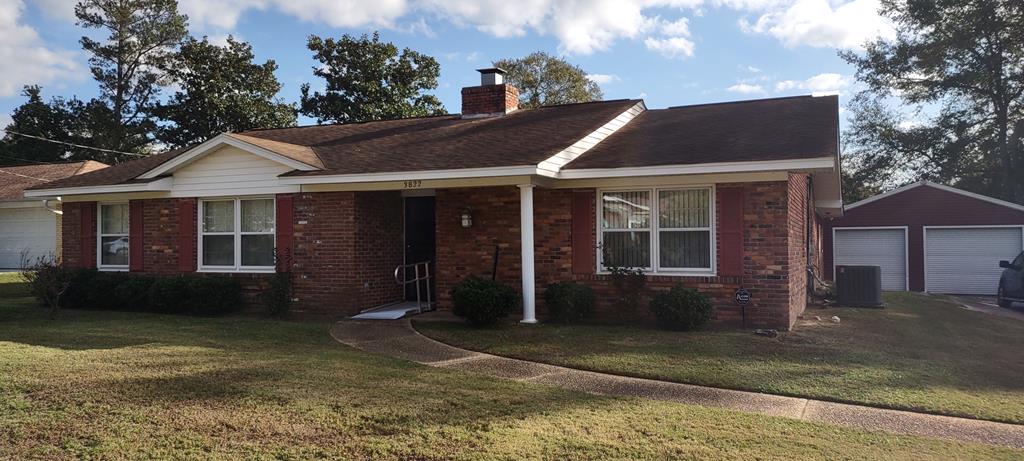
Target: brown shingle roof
{"type": "Point", "coordinates": [15, 179]}
{"type": "Point", "coordinates": [765, 129]}
{"type": "Point", "coordinates": [120, 173]}
{"type": "Point", "coordinates": [448, 142]}
{"type": "Point", "coordinates": [303, 154]}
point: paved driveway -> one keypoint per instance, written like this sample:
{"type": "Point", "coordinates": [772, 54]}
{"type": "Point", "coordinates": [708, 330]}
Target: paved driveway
{"type": "Point", "coordinates": [987, 304]}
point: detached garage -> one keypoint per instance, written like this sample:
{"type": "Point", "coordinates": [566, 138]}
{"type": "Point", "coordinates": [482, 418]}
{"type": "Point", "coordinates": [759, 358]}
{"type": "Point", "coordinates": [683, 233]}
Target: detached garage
{"type": "Point", "coordinates": [928, 237]}
{"type": "Point", "coordinates": [30, 226]}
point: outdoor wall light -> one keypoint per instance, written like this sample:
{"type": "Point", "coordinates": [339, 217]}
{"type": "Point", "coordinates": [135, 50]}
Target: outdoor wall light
{"type": "Point", "coordinates": [467, 218]}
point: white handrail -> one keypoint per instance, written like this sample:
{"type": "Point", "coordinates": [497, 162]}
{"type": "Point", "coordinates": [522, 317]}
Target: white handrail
{"type": "Point", "coordinates": [417, 278]}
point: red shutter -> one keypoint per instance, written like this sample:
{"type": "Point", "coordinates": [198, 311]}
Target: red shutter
{"type": "Point", "coordinates": [186, 234]}
{"type": "Point", "coordinates": [583, 244]}
{"type": "Point", "coordinates": [135, 245]}
{"type": "Point", "coordinates": [285, 227]}
{"type": "Point", "coordinates": [730, 232]}
{"type": "Point", "coordinates": [88, 234]}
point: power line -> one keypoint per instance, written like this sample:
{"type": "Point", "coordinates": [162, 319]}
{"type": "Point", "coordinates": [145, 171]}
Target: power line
{"type": "Point", "coordinates": [72, 144]}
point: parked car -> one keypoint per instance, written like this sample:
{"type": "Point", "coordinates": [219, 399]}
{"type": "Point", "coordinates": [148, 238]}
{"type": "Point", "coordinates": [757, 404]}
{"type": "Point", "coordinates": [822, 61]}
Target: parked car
{"type": "Point", "coordinates": [1011, 283]}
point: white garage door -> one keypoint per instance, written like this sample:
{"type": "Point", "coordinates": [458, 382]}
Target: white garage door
{"type": "Point", "coordinates": [886, 248]}
{"type": "Point", "coordinates": [966, 260]}
{"type": "Point", "coordinates": [20, 228]}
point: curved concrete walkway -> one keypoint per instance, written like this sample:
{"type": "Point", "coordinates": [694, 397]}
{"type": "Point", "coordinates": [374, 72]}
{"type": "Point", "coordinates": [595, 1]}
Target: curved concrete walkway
{"type": "Point", "coordinates": [398, 339]}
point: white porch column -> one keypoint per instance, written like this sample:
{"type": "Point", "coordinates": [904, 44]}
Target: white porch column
{"type": "Point", "coordinates": [526, 243]}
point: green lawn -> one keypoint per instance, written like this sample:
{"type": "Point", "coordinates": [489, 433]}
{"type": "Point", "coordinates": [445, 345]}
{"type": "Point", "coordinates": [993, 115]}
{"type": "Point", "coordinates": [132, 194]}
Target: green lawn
{"type": "Point", "coordinates": [920, 353]}
{"type": "Point", "coordinates": [108, 385]}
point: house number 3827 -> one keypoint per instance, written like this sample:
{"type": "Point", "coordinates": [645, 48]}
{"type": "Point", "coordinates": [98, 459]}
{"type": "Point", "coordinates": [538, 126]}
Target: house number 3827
{"type": "Point", "coordinates": [413, 184]}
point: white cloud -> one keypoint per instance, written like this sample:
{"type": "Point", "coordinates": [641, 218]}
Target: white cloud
{"type": "Point", "coordinates": [224, 14]}
{"type": "Point", "coordinates": [603, 79]}
{"type": "Point", "coordinates": [821, 83]}
{"type": "Point", "coordinates": [4, 121]}
{"type": "Point", "coordinates": [579, 26]}
{"type": "Point", "coordinates": [27, 60]}
{"type": "Point", "coordinates": [58, 9]}
{"type": "Point", "coordinates": [471, 56]}
{"type": "Point", "coordinates": [752, 69]}
{"type": "Point", "coordinates": [746, 88]}
{"type": "Point", "coordinates": [817, 23]}
{"type": "Point", "coordinates": [222, 39]}
{"type": "Point", "coordinates": [674, 47]}
{"type": "Point", "coordinates": [677, 28]}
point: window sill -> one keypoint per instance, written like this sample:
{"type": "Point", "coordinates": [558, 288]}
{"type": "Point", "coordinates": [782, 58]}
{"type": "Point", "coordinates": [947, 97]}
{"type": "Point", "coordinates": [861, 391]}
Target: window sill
{"type": "Point", "coordinates": [211, 270]}
{"type": "Point", "coordinates": [668, 273]}
{"type": "Point", "coordinates": [112, 268]}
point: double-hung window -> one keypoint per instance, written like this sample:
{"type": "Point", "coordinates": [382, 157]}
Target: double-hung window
{"type": "Point", "coordinates": [663, 230]}
{"type": "Point", "coordinates": [112, 236]}
{"type": "Point", "coordinates": [236, 234]}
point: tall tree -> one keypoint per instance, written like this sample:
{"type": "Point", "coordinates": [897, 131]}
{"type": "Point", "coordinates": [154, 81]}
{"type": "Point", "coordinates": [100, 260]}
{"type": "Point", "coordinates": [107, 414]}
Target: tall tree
{"type": "Point", "coordinates": [959, 66]}
{"type": "Point", "coordinates": [129, 64]}
{"type": "Point", "coordinates": [370, 80]}
{"type": "Point", "coordinates": [545, 80]}
{"type": "Point", "coordinates": [221, 89]}
{"type": "Point", "coordinates": [57, 120]}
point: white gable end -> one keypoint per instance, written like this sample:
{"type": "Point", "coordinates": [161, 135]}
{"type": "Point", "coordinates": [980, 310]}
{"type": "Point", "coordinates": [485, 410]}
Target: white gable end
{"type": "Point", "coordinates": [230, 171]}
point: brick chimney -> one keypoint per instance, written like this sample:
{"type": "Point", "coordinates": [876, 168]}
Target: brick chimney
{"type": "Point", "coordinates": [492, 98]}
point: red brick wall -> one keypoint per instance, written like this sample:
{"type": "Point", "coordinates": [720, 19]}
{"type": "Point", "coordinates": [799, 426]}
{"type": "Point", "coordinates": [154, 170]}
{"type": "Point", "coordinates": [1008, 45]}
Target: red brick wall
{"type": "Point", "coordinates": [489, 99]}
{"type": "Point", "coordinates": [766, 236]}
{"type": "Point", "coordinates": [160, 230]}
{"type": "Point", "coordinates": [344, 264]}
{"type": "Point", "coordinates": [379, 246]}
{"type": "Point", "coordinates": [71, 234]}
{"type": "Point", "coordinates": [798, 244]}
{"type": "Point", "coordinates": [462, 252]}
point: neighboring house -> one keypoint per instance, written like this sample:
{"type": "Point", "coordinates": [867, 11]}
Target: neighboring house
{"type": "Point", "coordinates": [714, 196]}
{"type": "Point", "coordinates": [29, 226]}
{"type": "Point", "coordinates": [928, 237]}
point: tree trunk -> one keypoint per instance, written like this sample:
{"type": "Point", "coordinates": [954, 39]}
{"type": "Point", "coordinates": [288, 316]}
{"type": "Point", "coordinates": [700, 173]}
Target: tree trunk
{"type": "Point", "coordinates": [1015, 148]}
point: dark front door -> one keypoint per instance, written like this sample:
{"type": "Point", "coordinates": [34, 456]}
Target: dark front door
{"type": "Point", "coordinates": [419, 241]}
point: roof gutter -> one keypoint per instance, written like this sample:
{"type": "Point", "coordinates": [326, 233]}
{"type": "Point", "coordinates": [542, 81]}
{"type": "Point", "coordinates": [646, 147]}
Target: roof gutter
{"type": "Point", "coordinates": [465, 173]}
{"type": "Point", "coordinates": [811, 164]}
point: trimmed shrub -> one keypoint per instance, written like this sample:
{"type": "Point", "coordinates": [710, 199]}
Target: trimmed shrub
{"type": "Point", "coordinates": [195, 295]}
{"type": "Point", "coordinates": [213, 295]}
{"type": "Point", "coordinates": [681, 308]}
{"type": "Point", "coordinates": [132, 292]}
{"type": "Point", "coordinates": [569, 302]}
{"type": "Point", "coordinates": [78, 293]}
{"type": "Point", "coordinates": [169, 295]}
{"type": "Point", "coordinates": [100, 293]}
{"type": "Point", "coordinates": [481, 301]}
{"type": "Point", "coordinates": [93, 289]}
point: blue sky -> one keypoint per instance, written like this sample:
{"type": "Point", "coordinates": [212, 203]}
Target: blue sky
{"type": "Point", "coordinates": [669, 52]}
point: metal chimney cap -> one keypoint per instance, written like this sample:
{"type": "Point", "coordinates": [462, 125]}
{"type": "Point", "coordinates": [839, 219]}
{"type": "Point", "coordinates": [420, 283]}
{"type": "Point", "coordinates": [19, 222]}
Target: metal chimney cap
{"type": "Point", "coordinates": [492, 70]}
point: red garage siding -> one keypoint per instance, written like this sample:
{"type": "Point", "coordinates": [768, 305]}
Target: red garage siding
{"type": "Point", "coordinates": [916, 207]}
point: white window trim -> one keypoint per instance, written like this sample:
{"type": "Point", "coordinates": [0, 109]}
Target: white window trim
{"type": "Point", "coordinates": [655, 231]}
{"type": "Point", "coordinates": [100, 235]}
{"type": "Point", "coordinates": [236, 233]}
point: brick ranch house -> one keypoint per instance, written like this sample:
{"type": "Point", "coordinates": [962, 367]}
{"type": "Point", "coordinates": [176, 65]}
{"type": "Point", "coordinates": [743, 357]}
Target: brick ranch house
{"type": "Point", "coordinates": [714, 196]}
